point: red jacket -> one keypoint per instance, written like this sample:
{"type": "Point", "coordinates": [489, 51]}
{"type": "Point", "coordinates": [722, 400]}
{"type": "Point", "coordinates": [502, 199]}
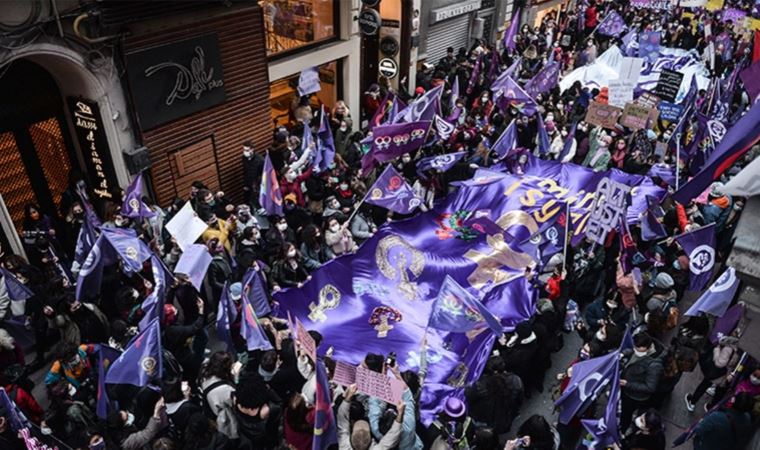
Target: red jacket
{"type": "Point", "coordinates": [25, 402]}
{"type": "Point", "coordinates": [591, 20]}
{"type": "Point", "coordinates": [552, 286]}
{"type": "Point", "coordinates": [295, 187]}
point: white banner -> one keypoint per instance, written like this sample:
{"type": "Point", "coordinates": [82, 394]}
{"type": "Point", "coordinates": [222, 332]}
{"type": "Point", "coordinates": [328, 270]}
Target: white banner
{"type": "Point", "coordinates": [692, 3]}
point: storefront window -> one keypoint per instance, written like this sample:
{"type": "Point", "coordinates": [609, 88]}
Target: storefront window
{"type": "Point", "coordinates": [283, 95]}
{"type": "Point", "coordinates": [291, 24]}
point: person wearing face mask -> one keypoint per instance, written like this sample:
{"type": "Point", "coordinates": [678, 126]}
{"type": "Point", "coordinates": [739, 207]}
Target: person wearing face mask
{"type": "Point", "coordinates": [618, 154]}
{"type": "Point", "coordinates": [648, 433]}
{"type": "Point", "coordinates": [92, 323]}
{"type": "Point", "coordinates": [244, 219]}
{"type": "Point", "coordinates": [125, 434]}
{"type": "Point", "coordinates": [218, 273]}
{"type": "Point", "coordinates": [288, 269]}
{"type": "Point", "coordinates": [599, 158]}
{"type": "Point", "coordinates": [641, 373]}
{"type": "Point", "coordinates": [726, 428]}
{"type": "Point", "coordinates": [313, 248]}
{"type": "Point", "coordinates": [749, 385]}
{"type": "Point", "coordinates": [338, 238]}
{"type": "Point", "coordinates": [72, 365]}
{"type": "Point", "coordinates": [253, 166]}
{"type": "Point", "coordinates": [72, 223]}
{"type": "Point", "coordinates": [217, 388]}
{"type": "Point", "coordinates": [250, 248]}
{"type": "Point", "coordinates": [362, 225]}
{"type": "Point", "coordinates": [219, 229]}
{"type": "Point", "coordinates": [291, 183]}
{"type": "Point", "coordinates": [278, 235]}
{"type": "Point", "coordinates": [333, 210]}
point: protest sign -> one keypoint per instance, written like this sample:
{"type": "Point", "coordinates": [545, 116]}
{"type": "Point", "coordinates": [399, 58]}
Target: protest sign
{"type": "Point", "coordinates": [736, 16]}
{"type": "Point", "coordinates": [668, 85]}
{"type": "Point", "coordinates": [630, 69]}
{"type": "Point", "coordinates": [185, 227]}
{"type": "Point", "coordinates": [692, 4]}
{"type": "Point", "coordinates": [648, 100]}
{"type": "Point", "coordinates": [635, 116]}
{"type": "Point", "coordinates": [611, 200]}
{"type": "Point", "coordinates": [308, 81]}
{"type": "Point", "coordinates": [714, 5]}
{"type": "Point", "coordinates": [344, 374]}
{"type": "Point", "coordinates": [602, 115]}
{"type": "Point", "coordinates": [751, 23]}
{"type": "Point", "coordinates": [620, 92]}
{"type": "Point", "coordinates": [378, 385]}
{"type": "Point", "coordinates": [306, 341]}
{"type": "Point", "coordinates": [670, 111]}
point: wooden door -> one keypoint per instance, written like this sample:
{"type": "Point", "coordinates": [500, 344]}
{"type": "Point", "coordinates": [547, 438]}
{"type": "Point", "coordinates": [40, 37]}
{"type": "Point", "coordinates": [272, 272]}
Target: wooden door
{"type": "Point", "coordinates": [196, 162]}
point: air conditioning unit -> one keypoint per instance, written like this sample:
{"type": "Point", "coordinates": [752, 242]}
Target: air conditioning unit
{"type": "Point", "coordinates": [477, 28]}
{"type": "Point", "coordinates": [137, 159]}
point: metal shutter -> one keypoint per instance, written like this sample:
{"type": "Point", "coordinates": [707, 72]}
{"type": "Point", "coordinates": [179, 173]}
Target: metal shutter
{"type": "Point", "coordinates": [449, 33]}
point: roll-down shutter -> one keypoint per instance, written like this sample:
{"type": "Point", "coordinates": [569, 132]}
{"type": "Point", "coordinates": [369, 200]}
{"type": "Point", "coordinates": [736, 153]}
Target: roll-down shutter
{"type": "Point", "coordinates": [448, 33]}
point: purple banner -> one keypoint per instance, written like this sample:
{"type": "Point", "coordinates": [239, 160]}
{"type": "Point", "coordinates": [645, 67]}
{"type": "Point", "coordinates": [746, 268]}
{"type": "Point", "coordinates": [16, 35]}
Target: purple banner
{"type": "Point", "coordinates": [649, 46]}
{"type": "Point", "coordinates": [391, 141]}
{"type": "Point", "coordinates": [392, 192]}
{"type": "Point", "coordinates": [699, 246]}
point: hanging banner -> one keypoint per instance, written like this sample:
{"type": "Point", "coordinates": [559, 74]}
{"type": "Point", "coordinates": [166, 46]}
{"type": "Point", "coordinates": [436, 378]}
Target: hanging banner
{"type": "Point", "coordinates": [91, 137]}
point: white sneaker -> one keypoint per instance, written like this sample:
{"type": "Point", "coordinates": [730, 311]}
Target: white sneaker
{"type": "Point", "coordinates": [711, 391]}
{"type": "Point", "coordinates": [689, 405]}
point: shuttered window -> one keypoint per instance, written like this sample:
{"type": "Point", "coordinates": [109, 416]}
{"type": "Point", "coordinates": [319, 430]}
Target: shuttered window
{"type": "Point", "coordinates": [449, 33]}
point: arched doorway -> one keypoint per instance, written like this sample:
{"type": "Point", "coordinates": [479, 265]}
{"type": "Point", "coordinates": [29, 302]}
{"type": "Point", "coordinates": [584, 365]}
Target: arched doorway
{"type": "Point", "coordinates": [36, 151]}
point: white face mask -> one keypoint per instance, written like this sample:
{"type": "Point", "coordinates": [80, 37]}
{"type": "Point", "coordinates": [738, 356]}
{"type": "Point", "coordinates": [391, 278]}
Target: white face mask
{"type": "Point", "coordinates": [640, 423]}
{"type": "Point", "coordinates": [282, 226]}
{"type": "Point", "coordinates": [754, 380]}
{"type": "Point", "coordinates": [640, 354]}
{"type": "Point", "coordinates": [247, 153]}
{"type": "Point", "coordinates": [334, 228]}
{"type": "Point", "coordinates": [292, 253]}
{"type": "Point", "coordinates": [290, 176]}
{"type": "Point", "coordinates": [405, 159]}
{"type": "Point", "coordinates": [600, 336]}
{"type": "Point", "coordinates": [611, 305]}
{"type": "Point", "coordinates": [119, 222]}
{"type": "Point", "coordinates": [343, 127]}
{"type": "Point", "coordinates": [130, 419]}
{"type": "Point", "coordinates": [343, 187]}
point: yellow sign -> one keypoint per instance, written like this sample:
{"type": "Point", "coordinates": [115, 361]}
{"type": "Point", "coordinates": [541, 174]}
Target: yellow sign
{"type": "Point", "coordinates": [690, 16]}
{"type": "Point", "coordinates": [751, 24]}
{"type": "Point", "coordinates": [714, 5]}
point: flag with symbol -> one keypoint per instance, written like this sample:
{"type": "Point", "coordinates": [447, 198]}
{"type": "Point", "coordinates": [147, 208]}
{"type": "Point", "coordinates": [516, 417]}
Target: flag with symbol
{"type": "Point", "coordinates": [133, 206]}
{"type": "Point", "coordinates": [718, 297]}
{"type": "Point", "coordinates": [699, 246]}
{"type": "Point", "coordinates": [142, 362]}
{"type": "Point", "coordinates": [392, 192]}
{"type": "Point", "coordinates": [457, 311]}
{"type": "Point", "coordinates": [270, 196]}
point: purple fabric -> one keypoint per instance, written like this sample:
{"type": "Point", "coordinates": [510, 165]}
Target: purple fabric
{"type": "Point", "coordinates": [457, 311]}
{"type": "Point", "coordinates": [651, 228]}
{"type": "Point", "coordinates": [544, 144]}
{"type": "Point", "coordinates": [392, 192]}
{"type": "Point", "coordinates": [307, 140]}
{"type": "Point", "coordinates": [475, 74]}
{"type": "Point", "coordinates": [543, 81]}
{"type": "Point", "coordinates": [726, 324]}
{"type": "Point", "coordinates": [509, 94]}
{"type": "Point", "coordinates": [251, 329]}
{"type": "Point", "coordinates": [133, 206]}
{"type": "Point", "coordinates": [91, 272]}
{"type": "Point", "coordinates": [628, 39]}
{"type": "Point", "coordinates": [666, 172]}
{"type": "Point", "coordinates": [16, 418]}
{"type": "Point", "coordinates": [588, 380]}
{"type": "Point", "coordinates": [649, 46]}
{"type": "Point", "coordinates": [507, 141]}
{"type": "Point", "coordinates": [751, 79]}
{"type": "Point", "coordinates": [132, 251]}
{"type": "Point", "coordinates": [254, 289]}
{"type": "Point", "coordinates": [511, 69]}
{"type": "Point", "coordinates": [423, 108]}
{"type": "Point", "coordinates": [85, 240]}
{"type": "Point", "coordinates": [699, 246]}
{"type": "Point", "coordinates": [106, 355]}
{"type": "Point", "coordinates": [612, 25]}
{"type": "Point", "coordinates": [270, 196]}
{"type": "Point", "coordinates": [391, 141]}
{"type": "Point", "coordinates": [225, 316]}
{"type": "Point", "coordinates": [439, 163]}
{"type": "Point", "coordinates": [17, 291]}
{"type": "Point", "coordinates": [568, 142]}
{"type": "Point", "coordinates": [397, 105]}
{"type": "Point", "coordinates": [325, 145]}
{"type": "Point", "coordinates": [493, 70]}
{"type": "Point", "coordinates": [308, 82]}
{"type": "Point", "coordinates": [510, 34]}
{"type": "Point", "coordinates": [377, 118]}
{"type": "Point", "coordinates": [153, 305]}
{"type": "Point", "coordinates": [194, 262]}
{"type": "Point", "coordinates": [443, 128]}
{"type": "Point", "coordinates": [89, 211]}
{"type": "Point", "coordinates": [605, 430]}
{"type": "Point", "coordinates": [141, 362]}
{"type": "Point", "coordinates": [325, 427]}
{"type": "Point", "coordinates": [717, 298]}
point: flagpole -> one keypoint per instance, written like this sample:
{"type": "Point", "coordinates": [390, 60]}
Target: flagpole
{"type": "Point", "coordinates": [678, 161]}
{"type": "Point", "coordinates": [351, 217]}
{"type": "Point", "coordinates": [567, 232]}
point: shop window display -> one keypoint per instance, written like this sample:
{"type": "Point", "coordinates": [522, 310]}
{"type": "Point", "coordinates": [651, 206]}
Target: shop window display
{"type": "Point", "coordinates": [291, 24]}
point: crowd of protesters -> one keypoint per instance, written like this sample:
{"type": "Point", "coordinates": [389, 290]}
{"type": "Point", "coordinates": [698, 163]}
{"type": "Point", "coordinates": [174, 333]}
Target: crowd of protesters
{"type": "Point", "coordinates": [208, 399]}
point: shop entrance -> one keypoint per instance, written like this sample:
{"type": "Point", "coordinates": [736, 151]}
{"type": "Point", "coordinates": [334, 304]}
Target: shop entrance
{"type": "Point", "coordinates": [36, 151]}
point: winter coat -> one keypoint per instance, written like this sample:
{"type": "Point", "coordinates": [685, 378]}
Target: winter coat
{"type": "Point", "coordinates": [495, 400]}
{"type": "Point", "coordinates": [220, 401]}
{"type": "Point", "coordinates": [722, 430]}
{"type": "Point", "coordinates": [642, 375]}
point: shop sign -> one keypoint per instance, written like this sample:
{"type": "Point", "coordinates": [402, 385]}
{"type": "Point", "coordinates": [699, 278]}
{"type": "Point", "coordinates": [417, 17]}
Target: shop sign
{"type": "Point", "coordinates": [369, 22]}
{"type": "Point", "coordinates": [389, 46]}
{"type": "Point", "coordinates": [387, 67]}
{"type": "Point", "coordinates": [448, 12]}
{"type": "Point", "coordinates": [88, 127]}
{"type": "Point", "coordinates": [176, 79]}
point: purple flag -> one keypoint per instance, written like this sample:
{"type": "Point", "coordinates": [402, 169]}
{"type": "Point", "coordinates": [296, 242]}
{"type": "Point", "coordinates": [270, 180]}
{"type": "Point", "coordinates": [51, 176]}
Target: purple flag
{"type": "Point", "coordinates": [325, 146]}
{"type": "Point", "coordinates": [605, 430]}
{"type": "Point", "coordinates": [255, 290]}
{"type": "Point", "coordinates": [651, 228]}
{"type": "Point", "coordinates": [510, 72]}
{"type": "Point", "coordinates": [493, 70]}
{"type": "Point", "coordinates": [649, 46]}
{"type": "Point", "coordinates": [653, 205]}
{"type": "Point", "coordinates": [325, 427]}
{"type": "Point", "coordinates": [665, 172]}
{"type": "Point", "coordinates": [510, 35]}
{"type": "Point", "coordinates": [89, 211]}
{"type": "Point", "coordinates": [128, 247]}
{"type": "Point", "coordinates": [106, 355]}
{"type": "Point", "coordinates": [699, 246]}
{"type": "Point", "coordinates": [550, 237]}
{"type": "Point", "coordinates": [443, 128]}
{"type": "Point", "coordinates": [423, 108]}
{"type": "Point", "coordinates": [16, 418]}
{"type": "Point", "coordinates": [17, 291]}
{"type": "Point", "coordinates": [392, 192]}
{"type": "Point", "coordinates": [507, 141]}
{"type": "Point", "coordinates": [251, 329]}
{"type": "Point", "coordinates": [85, 241]}
{"type": "Point", "coordinates": [509, 94]}
{"type": "Point", "coordinates": [384, 106]}
{"type": "Point", "coordinates": [133, 206]}
{"type": "Point", "coordinates": [457, 311]}
{"type": "Point", "coordinates": [737, 141]}
{"type": "Point", "coordinates": [270, 196]}
{"type": "Point", "coordinates": [475, 74]}
{"type": "Point", "coordinates": [438, 163]}
{"type": "Point", "coordinates": [397, 105]}
{"type": "Point", "coordinates": [544, 144]}
{"type": "Point", "coordinates": [726, 324]}
{"type": "Point", "coordinates": [391, 141]}
{"type": "Point", "coordinates": [454, 93]}
{"type": "Point", "coordinates": [628, 41]}
{"type": "Point", "coordinates": [307, 140]}
{"type": "Point", "coordinates": [587, 381]}
{"type": "Point", "coordinates": [569, 141]}
{"type": "Point", "coordinates": [543, 81]}
{"type": "Point", "coordinates": [751, 79]}
{"type": "Point", "coordinates": [153, 305]}
{"type": "Point", "coordinates": [224, 319]}
{"type": "Point", "coordinates": [194, 263]}
{"type": "Point", "coordinates": [141, 362]}
{"type": "Point", "coordinates": [717, 298]}
{"type": "Point", "coordinates": [612, 25]}
{"type": "Point", "coordinates": [308, 81]}
{"type": "Point", "coordinates": [91, 273]}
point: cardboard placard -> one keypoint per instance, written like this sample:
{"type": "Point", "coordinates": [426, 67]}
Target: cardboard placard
{"type": "Point", "coordinates": [670, 111]}
{"type": "Point", "coordinates": [185, 227]}
{"type": "Point", "coordinates": [714, 5]}
{"type": "Point", "coordinates": [620, 92]}
{"type": "Point", "coordinates": [378, 385]}
{"type": "Point", "coordinates": [635, 116]}
{"type": "Point", "coordinates": [602, 115]}
{"type": "Point", "coordinates": [668, 85]}
{"type": "Point", "coordinates": [648, 100]}
{"type": "Point", "coordinates": [305, 340]}
{"type": "Point", "coordinates": [345, 374]}
{"type": "Point", "coordinates": [751, 23]}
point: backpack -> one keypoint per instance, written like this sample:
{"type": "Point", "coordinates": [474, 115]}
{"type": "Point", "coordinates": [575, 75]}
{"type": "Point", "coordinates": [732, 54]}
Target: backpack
{"type": "Point", "coordinates": [671, 313]}
{"type": "Point", "coordinates": [207, 410]}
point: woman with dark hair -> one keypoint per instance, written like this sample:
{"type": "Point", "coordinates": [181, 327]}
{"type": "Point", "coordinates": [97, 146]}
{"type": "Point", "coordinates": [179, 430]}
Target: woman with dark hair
{"type": "Point", "coordinates": [124, 433]}
{"type": "Point", "coordinates": [35, 224]}
{"type": "Point", "coordinates": [288, 270]}
{"type": "Point", "coordinates": [535, 434]}
{"type": "Point", "coordinates": [649, 433]}
{"type": "Point", "coordinates": [496, 397]}
{"type": "Point", "coordinates": [299, 423]}
{"type": "Point", "coordinates": [200, 434]}
{"type": "Point", "coordinates": [313, 249]}
{"type": "Point", "coordinates": [217, 389]}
